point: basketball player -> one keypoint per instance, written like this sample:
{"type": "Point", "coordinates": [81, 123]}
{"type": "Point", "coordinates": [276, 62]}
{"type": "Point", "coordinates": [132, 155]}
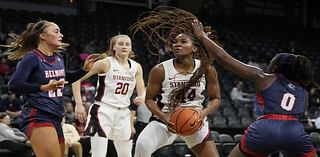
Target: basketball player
{"type": "Point", "coordinates": [40, 76]}
{"type": "Point", "coordinates": [109, 116]}
{"type": "Point", "coordinates": [178, 82]}
{"type": "Point", "coordinates": [282, 95]}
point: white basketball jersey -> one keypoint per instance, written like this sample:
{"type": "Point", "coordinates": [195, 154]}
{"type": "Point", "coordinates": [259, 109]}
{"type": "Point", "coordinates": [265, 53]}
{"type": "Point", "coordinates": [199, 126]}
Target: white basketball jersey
{"type": "Point", "coordinates": [173, 80]}
{"type": "Point", "coordinates": [116, 86]}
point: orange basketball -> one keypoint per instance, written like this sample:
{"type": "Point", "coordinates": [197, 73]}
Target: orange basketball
{"type": "Point", "coordinates": [186, 121]}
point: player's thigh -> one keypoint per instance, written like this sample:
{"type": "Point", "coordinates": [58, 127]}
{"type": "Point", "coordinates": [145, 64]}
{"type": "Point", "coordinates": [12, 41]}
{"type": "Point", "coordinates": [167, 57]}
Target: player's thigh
{"type": "Point", "coordinates": [122, 125]}
{"type": "Point", "coordinates": [123, 148]}
{"type": "Point", "coordinates": [206, 149]}
{"type": "Point", "coordinates": [154, 136]}
{"type": "Point", "coordinates": [236, 152]}
{"type": "Point", "coordinates": [198, 137]}
{"type": "Point", "coordinates": [49, 147]}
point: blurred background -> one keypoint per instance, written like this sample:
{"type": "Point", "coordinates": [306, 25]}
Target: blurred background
{"type": "Point", "coordinates": [252, 31]}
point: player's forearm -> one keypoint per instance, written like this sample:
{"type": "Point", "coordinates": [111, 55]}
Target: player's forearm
{"type": "Point", "coordinates": [212, 106]}
{"type": "Point", "coordinates": [132, 117]}
{"type": "Point", "coordinates": [76, 90]}
{"type": "Point", "coordinates": [154, 108]}
{"type": "Point", "coordinates": [20, 86]}
{"type": "Point", "coordinates": [213, 48]}
{"type": "Point", "coordinates": [72, 76]}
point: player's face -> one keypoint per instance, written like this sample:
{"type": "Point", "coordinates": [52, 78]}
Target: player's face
{"type": "Point", "coordinates": [182, 45]}
{"type": "Point", "coordinates": [122, 47]}
{"type": "Point", "coordinates": [52, 35]}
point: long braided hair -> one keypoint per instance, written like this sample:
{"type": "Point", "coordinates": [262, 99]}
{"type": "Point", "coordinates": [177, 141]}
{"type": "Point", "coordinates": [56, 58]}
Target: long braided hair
{"type": "Point", "coordinates": [161, 26]}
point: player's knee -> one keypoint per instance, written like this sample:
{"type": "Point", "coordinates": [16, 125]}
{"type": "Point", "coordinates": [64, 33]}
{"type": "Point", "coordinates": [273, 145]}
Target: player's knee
{"type": "Point", "coordinates": [142, 149]}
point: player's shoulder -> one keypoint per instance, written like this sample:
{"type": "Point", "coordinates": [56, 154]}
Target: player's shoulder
{"type": "Point", "coordinates": [105, 60]}
{"type": "Point", "coordinates": [169, 61]}
{"type": "Point", "coordinates": [32, 55]}
{"type": "Point", "coordinates": [135, 63]}
{"type": "Point", "coordinates": [102, 65]}
{"type": "Point", "coordinates": [158, 69]}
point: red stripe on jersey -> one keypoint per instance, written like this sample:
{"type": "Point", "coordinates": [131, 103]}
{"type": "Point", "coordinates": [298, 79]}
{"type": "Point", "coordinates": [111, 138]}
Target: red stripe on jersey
{"type": "Point", "coordinates": [44, 58]}
{"type": "Point", "coordinates": [260, 99]}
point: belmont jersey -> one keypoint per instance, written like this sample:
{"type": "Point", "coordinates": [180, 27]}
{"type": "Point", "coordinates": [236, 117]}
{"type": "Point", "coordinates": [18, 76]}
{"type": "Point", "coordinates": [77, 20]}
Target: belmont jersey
{"type": "Point", "coordinates": [116, 86]}
{"type": "Point", "coordinates": [53, 69]}
{"type": "Point", "coordinates": [173, 80]}
{"type": "Point", "coordinates": [282, 97]}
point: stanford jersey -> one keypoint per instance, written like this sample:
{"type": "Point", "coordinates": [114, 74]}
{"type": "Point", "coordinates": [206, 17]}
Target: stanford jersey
{"type": "Point", "coordinates": [116, 86]}
{"type": "Point", "coordinates": [173, 79]}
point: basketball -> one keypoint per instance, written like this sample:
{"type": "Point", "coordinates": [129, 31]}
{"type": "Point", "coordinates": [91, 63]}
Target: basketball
{"type": "Point", "coordinates": [186, 121]}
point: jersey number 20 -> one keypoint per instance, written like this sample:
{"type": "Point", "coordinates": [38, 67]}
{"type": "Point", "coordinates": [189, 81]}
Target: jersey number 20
{"type": "Point", "coordinates": [287, 101]}
{"type": "Point", "coordinates": [122, 88]}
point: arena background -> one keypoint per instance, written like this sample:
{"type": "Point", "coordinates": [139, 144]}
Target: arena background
{"type": "Point", "coordinates": [250, 30]}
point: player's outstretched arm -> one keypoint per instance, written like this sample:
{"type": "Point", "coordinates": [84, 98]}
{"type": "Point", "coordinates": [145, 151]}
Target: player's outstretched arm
{"type": "Point", "coordinates": [100, 66]}
{"type": "Point", "coordinates": [230, 63]}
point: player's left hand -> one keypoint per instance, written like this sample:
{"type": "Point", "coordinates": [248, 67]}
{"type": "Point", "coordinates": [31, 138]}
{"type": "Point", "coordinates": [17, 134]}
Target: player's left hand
{"type": "Point", "coordinates": [90, 61]}
{"type": "Point", "coordinates": [80, 112]}
{"type": "Point", "coordinates": [170, 125]}
{"type": "Point", "coordinates": [133, 132]}
{"type": "Point", "coordinates": [201, 114]}
{"type": "Point", "coordinates": [139, 100]}
{"type": "Point", "coordinates": [198, 28]}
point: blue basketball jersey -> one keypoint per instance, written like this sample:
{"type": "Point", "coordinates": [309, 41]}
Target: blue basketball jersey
{"type": "Point", "coordinates": [278, 128]}
{"type": "Point", "coordinates": [48, 68]}
{"type": "Point", "coordinates": [282, 97]}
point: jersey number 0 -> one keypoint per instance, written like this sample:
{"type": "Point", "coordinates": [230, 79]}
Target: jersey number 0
{"type": "Point", "coordinates": [287, 101]}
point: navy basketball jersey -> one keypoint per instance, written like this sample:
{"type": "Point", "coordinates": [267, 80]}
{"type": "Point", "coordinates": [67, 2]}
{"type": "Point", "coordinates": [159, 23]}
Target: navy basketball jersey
{"type": "Point", "coordinates": [282, 97]}
{"type": "Point", "coordinates": [49, 68]}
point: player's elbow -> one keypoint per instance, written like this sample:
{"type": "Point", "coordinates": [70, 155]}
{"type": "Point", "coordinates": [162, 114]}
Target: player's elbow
{"type": "Point", "coordinates": [12, 86]}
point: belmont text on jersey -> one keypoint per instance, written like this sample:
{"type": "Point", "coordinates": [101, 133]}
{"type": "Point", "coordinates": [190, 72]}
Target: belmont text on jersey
{"type": "Point", "coordinates": [54, 73]}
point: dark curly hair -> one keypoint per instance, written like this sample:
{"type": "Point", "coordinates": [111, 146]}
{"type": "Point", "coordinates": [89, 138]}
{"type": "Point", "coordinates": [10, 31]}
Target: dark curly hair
{"type": "Point", "coordinates": [161, 26]}
{"type": "Point", "coordinates": [294, 67]}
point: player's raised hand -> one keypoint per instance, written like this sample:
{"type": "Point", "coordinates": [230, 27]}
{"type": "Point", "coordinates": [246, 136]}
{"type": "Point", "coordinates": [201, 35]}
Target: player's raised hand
{"type": "Point", "coordinates": [198, 28]}
{"type": "Point", "coordinates": [90, 60]}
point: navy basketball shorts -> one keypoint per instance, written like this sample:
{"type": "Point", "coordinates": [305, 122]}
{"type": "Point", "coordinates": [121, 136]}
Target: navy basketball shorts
{"type": "Point", "coordinates": [32, 117]}
{"type": "Point", "coordinates": [266, 136]}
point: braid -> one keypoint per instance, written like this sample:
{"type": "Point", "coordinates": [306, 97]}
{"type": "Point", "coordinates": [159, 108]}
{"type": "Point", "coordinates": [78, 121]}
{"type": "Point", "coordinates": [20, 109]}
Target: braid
{"type": "Point", "coordinates": [161, 26]}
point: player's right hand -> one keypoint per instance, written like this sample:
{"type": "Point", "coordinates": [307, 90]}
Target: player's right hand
{"type": "Point", "coordinates": [170, 125]}
{"type": "Point", "coordinates": [53, 85]}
